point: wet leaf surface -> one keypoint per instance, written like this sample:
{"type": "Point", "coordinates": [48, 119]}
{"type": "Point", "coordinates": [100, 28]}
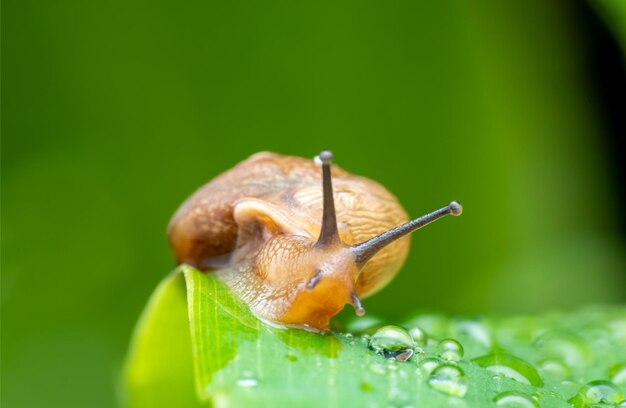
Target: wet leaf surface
{"type": "Point", "coordinates": [195, 335]}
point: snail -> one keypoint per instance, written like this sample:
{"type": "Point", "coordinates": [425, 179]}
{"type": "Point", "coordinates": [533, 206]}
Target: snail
{"type": "Point", "coordinates": [294, 252]}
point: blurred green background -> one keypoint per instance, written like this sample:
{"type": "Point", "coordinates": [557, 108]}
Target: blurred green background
{"type": "Point", "coordinates": [113, 112]}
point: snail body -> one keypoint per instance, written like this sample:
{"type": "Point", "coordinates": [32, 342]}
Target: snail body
{"type": "Point", "coordinates": [257, 226]}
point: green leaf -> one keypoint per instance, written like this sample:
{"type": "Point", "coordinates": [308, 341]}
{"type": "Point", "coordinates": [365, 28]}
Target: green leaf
{"type": "Point", "coordinates": [212, 344]}
{"type": "Point", "coordinates": [159, 366]}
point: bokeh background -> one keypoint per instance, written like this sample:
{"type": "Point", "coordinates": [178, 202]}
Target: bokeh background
{"type": "Point", "coordinates": [114, 111]}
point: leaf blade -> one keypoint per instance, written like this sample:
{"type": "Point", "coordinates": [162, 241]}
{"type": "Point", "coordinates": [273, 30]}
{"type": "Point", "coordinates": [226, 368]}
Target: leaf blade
{"type": "Point", "coordinates": [240, 361]}
{"type": "Point", "coordinates": [159, 367]}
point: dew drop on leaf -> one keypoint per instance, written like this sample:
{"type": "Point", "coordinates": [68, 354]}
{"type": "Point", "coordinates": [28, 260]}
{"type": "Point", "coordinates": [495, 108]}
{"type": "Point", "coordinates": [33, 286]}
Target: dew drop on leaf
{"type": "Point", "coordinates": [450, 350]}
{"type": "Point", "coordinates": [436, 325]}
{"type": "Point", "coordinates": [597, 392]}
{"type": "Point", "coordinates": [603, 391]}
{"type": "Point", "coordinates": [618, 375]}
{"type": "Point", "coordinates": [565, 347]}
{"type": "Point", "coordinates": [513, 399]}
{"type": "Point", "coordinates": [392, 342]}
{"type": "Point", "coordinates": [428, 365]}
{"type": "Point", "coordinates": [568, 387]}
{"type": "Point", "coordinates": [511, 367]}
{"type": "Point", "coordinates": [555, 369]}
{"type": "Point", "coordinates": [477, 331]}
{"type": "Point", "coordinates": [448, 379]}
{"type": "Point", "coordinates": [419, 336]}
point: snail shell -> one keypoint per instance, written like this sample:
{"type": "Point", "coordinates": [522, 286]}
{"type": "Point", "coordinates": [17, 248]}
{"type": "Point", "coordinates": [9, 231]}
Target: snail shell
{"type": "Point", "coordinates": [258, 227]}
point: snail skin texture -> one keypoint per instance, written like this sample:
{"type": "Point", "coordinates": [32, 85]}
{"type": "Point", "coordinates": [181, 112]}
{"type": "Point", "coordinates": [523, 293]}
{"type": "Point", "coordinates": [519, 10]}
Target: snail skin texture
{"type": "Point", "coordinates": [292, 247]}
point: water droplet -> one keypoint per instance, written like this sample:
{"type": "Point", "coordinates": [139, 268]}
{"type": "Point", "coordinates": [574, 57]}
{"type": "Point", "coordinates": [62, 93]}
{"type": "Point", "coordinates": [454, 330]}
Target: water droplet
{"type": "Point", "coordinates": [448, 379]}
{"type": "Point", "coordinates": [477, 331]}
{"type": "Point", "coordinates": [437, 326]}
{"type": "Point", "coordinates": [365, 339]}
{"type": "Point", "coordinates": [419, 336]}
{"type": "Point", "coordinates": [428, 365]}
{"type": "Point", "coordinates": [511, 367]}
{"type": "Point", "coordinates": [513, 399]}
{"type": "Point", "coordinates": [565, 347]}
{"type": "Point", "coordinates": [392, 342]}
{"type": "Point", "coordinates": [569, 387]}
{"type": "Point", "coordinates": [555, 369]}
{"type": "Point", "coordinates": [618, 374]}
{"type": "Point", "coordinates": [603, 391]}
{"type": "Point", "coordinates": [597, 392]}
{"type": "Point", "coordinates": [451, 350]}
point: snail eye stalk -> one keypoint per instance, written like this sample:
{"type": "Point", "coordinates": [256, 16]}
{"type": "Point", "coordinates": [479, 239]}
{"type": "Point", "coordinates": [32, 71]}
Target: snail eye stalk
{"type": "Point", "coordinates": [364, 251]}
{"type": "Point", "coordinates": [329, 236]}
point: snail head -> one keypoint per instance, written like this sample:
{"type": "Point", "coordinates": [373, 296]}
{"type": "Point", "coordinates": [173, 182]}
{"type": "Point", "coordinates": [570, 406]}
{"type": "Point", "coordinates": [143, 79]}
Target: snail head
{"type": "Point", "coordinates": [322, 274]}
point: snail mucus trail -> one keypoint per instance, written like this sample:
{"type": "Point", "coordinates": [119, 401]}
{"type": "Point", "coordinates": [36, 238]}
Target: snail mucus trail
{"type": "Point", "coordinates": [287, 267]}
